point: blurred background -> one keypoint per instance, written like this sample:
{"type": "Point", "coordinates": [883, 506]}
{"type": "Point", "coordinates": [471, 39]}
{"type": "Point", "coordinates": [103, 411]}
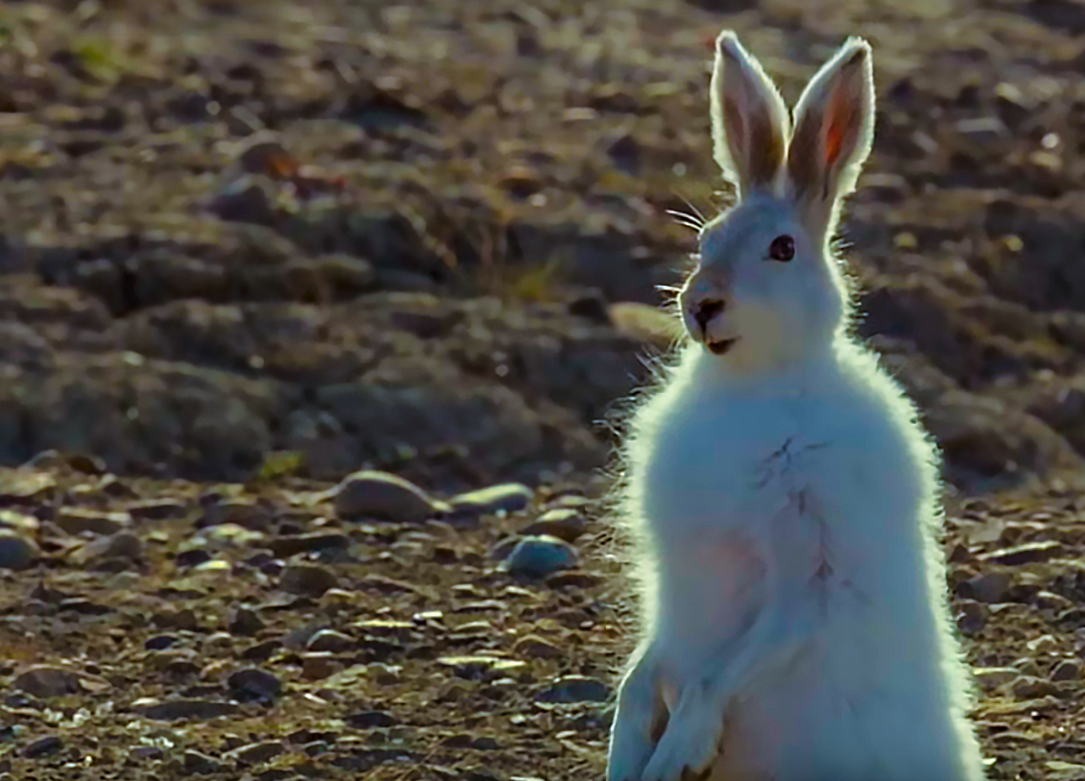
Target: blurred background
{"type": "Point", "coordinates": [425, 236]}
{"type": "Point", "coordinates": [248, 248]}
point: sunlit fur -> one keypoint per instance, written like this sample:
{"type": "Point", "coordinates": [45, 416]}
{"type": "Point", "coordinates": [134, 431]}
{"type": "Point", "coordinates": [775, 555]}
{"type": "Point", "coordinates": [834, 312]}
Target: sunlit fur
{"type": "Point", "coordinates": [786, 503]}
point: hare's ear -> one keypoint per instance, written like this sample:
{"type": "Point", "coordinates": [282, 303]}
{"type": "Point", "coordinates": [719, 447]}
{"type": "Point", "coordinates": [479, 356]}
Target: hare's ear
{"type": "Point", "coordinates": [749, 120]}
{"type": "Point", "coordinates": [834, 127]}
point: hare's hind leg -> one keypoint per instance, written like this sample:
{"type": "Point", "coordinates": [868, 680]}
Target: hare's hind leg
{"type": "Point", "coordinates": [639, 720]}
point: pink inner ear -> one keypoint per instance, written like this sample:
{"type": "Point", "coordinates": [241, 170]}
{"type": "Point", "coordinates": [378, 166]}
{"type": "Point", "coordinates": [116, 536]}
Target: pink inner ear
{"type": "Point", "coordinates": [841, 119]}
{"type": "Point", "coordinates": [736, 131]}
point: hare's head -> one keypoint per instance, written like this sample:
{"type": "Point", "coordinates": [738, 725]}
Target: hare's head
{"type": "Point", "coordinates": [767, 290]}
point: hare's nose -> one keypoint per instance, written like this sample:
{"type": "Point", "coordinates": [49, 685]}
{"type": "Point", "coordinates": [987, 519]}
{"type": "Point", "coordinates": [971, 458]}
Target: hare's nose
{"type": "Point", "coordinates": [704, 311]}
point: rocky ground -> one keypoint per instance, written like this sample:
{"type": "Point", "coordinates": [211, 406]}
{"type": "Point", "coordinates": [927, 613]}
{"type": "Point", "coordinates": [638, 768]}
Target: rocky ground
{"type": "Point", "coordinates": [248, 249]}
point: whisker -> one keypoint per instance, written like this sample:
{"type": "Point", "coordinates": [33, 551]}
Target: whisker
{"type": "Point", "coordinates": [693, 208]}
{"type": "Point", "coordinates": [686, 220]}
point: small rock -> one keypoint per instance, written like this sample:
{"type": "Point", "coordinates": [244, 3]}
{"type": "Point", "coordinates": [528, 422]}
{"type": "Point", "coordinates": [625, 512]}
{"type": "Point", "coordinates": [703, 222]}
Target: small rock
{"type": "Point", "coordinates": [383, 497]}
{"type": "Point", "coordinates": [1028, 553]}
{"type": "Point", "coordinates": [1047, 600]}
{"type": "Point", "coordinates": [537, 557]}
{"type": "Point", "coordinates": [16, 552]}
{"type": "Point", "coordinates": [192, 557]}
{"type": "Point", "coordinates": [47, 682]}
{"type": "Point", "coordinates": [285, 547]}
{"type": "Point", "coordinates": [972, 617]}
{"type": "Point", "coordinates": [250, 515]}
{"type": "Point", "coordinates": [157, 510]}
{"type": "Point", "coordinates": [144, 753]}
{"type": "Point", "coordinates": [183, 620]}
{"type": "Point", "coordinates": [258, 753]}
{"type": "Point", "coordinates": [194, 709]}
{"type": "Point", "coordinates": [574, 579]}
{"type": "Point", "coordinates": [77, 520]}
{"type": "Point", "coordinates": [307, 580]}
{"type": "Point", "coordinates": [1028, 687]}
{"type": "Point", "coordinates": [43, 747]}
{"type": "Point", "coordinates": [228, 535]}
{"type": "Point", "coordinates": [507, 497]}
{"type": "Point", "coordinates": [535, 647]}
{"type": "Point", "coordinates": [564, 523]}
{"type": "Point", "coordinates": [1044, 644]}
{"type": "Point", "coordinates": [990, 587]}
{"type": "Point", "coordinates": [331, 641]}
{"type": "Point", "coordinates": [318, 666]}
{"type": "Point", "coordinates": [197, 764]}
{"type": "Point", "coordinates": [575, 688]}
{"type": "Point", "coordinates": [160, 642]}
{"type": "Point", "coordinates": [1027, 667]}
{"type": "Point", "coordinates": [1066, 670]}
{"type": "Point", "coordinates": [252, 683]}
{"type": "Point", "coordinates": [370, 719]}
{"type": "Point", "coordinates": [244, 621]}
{"type": "Point", "coordinates": [982, 129]}
{"type": "Point", "coordinates": [990, 678]}
{"type": "Point", "coordinates": [19, 522]}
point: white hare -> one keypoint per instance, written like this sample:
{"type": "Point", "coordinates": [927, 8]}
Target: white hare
{"type": "Point", "coordinates": [786, 499]}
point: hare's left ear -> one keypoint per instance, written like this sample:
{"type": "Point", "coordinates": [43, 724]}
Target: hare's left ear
{"type": "Point", "coordinates": [834, 128]}
{"type": "Point", "coordinates": [749, 120]}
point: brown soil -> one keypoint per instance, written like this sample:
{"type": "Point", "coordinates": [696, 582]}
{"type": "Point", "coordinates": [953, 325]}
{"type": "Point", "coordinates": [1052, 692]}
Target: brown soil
{"type": "Point", "coordinates": [249, 248]}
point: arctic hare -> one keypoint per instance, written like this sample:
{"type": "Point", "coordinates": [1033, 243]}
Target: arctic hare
{"type": "Point", "coordinates": [794, 599]}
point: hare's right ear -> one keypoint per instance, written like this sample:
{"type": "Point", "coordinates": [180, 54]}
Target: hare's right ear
{"type": "Point", "coordinates": [750, 124]}
{"type": "Point", "coordinates": [834, 126]}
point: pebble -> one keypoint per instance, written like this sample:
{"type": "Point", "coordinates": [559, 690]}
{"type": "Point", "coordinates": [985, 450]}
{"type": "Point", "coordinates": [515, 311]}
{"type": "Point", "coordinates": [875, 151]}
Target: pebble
{"type": "Point", "coordinates": [370, 719]}
{"type": "Point", "coordinates": [47, 682]}
{"type": "Point", "coordinates": [123, 545]}
{"type": "Point", "coordinates": [258, 753]}
{"type": "Point", "coordinates": [507, 497]}
{"type": "Point", "coordinates": [43, 747]}
{"type": "Point", "coordinates": [244, 621]}
{"type": "Point", "coordinates": [183, 620]}
{"type": "Point", "coordinates": [1066, 670]}
{"type": "Point", "coordinates": [1027, 666]}
{"type": "Point", "coordinates": [982, 129]}
{"type": "Point", "coordinates": [16, 552]}
{"type": "Point", "coordinates": [318, 666]}
{"type": "Point", "coordinates": [1044, 644]}
{"type": "Point", "coordinates": [535, 647]}
{"type": "Point", "coordinates": [228, 535]}
{"type": "Point", "coordinates": [575, 688]}
{"type": "Point", "coordinates": [77, 520]}
{"type": "Point", "coordinates": [990, 587]}
{"type": "Point", "coordinates": [196, 764]}
{"type": "Point", "coordinates": [1028, 553]}
{"type": "Point", "coordinates": [331, 641]}
{"type": "Point", "coordinates": [145, 753]}
{"type": "Point", "coordinates": [238, 512]}
{"type": "Point", "coordinates": [564, 523]}
{"type": "Point", "coordinates": [157, 510]}
{"type": "Point", "coordinates": [991, 678]}
{"type": "Point", "coordinates": [537, 557]}
{"type": "Point", "coordinates": [307, 580]}
{"type": "Point", "coordinates": [285, 547]}
{"type": "Point", "coordinates": [194, 709]}
{"type": "Point", "coordinates": [383, 497]}
{"type": "Point", "coordinates": [252, 683]}
{"type": "Point", "coordinates": [1028, 687]}
{"type": "Point", "coordinates": [160, 642]}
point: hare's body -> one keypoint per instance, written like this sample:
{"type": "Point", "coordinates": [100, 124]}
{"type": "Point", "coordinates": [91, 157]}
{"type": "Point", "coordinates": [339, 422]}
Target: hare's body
{"type": "Point", "coordinates": [823, 476]}
{"type": "Point", "coordinates": [795, 613]}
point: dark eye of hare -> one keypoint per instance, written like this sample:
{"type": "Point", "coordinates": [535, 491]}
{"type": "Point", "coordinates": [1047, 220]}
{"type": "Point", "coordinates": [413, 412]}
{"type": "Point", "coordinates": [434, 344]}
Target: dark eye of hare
{"type": "Point", "coordinates": [782, 249]}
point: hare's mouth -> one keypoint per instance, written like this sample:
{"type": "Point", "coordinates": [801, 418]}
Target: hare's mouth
{"type": "Point", "coordinates": [722, 346]}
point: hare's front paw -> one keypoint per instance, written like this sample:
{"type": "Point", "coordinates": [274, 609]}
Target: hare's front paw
{"type": "Point", "coordinates": [637, 722]}
{"type": "Point", "coordinates": [691, 742]}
